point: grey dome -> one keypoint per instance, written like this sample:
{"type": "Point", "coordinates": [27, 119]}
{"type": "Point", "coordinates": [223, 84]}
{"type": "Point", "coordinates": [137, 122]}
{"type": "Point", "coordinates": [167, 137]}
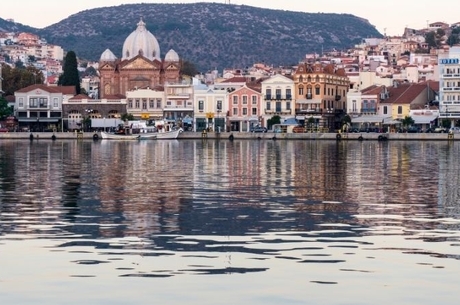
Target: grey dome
{"type": "Point", "coordinates": [141, 41]}
{"type": "Point", "coordinates": [172, 56]}
{"type": "Point", "coordinates": [107, 55]}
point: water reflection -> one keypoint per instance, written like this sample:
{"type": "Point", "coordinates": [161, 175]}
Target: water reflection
{"type": "Point", "coordinates": [160, 209]}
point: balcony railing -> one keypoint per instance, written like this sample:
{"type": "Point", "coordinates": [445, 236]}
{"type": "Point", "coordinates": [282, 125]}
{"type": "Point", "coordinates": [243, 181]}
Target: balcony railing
{"type": "Point", "coordinates": [451, 89]}
{"type": "Point", "coordinates": [278, 97]}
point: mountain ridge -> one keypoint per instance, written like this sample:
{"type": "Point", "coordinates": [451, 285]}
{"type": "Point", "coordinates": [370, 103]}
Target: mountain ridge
{"type": "Point", "coordinates": [211, 35]}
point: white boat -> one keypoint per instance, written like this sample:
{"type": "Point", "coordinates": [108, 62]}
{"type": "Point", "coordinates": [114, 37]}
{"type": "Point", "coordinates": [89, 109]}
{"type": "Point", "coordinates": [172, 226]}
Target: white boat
{"type": "Point", "coordinates": [169, 134]}
{"type": "Point", "coordinates": [116, 136]}
{"type": "Point", "coordinates": [161, 135]}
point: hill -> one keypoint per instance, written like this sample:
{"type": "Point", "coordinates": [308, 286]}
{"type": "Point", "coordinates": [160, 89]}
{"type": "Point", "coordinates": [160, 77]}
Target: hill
{"type": "Point", "coordinates": [211, 35]}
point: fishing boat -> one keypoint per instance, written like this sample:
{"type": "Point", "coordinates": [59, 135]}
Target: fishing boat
{"type": "Point", "coordinates": [161, 135]}
{"type": "Point", "coordinates": [118, 136]}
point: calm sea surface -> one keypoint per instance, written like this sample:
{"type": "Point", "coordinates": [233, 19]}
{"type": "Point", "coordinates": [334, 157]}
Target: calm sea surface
{"type": "Point", "coordinates": [220, 222]}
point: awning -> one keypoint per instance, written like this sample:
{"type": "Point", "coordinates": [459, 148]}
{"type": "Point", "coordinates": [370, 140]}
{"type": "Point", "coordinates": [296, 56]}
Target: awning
{"type": "Point", "coordinates": [390, 121]}
{"type": "Point", "coordinates": [35, 120]}
{"type": "Point", "coordinates": [424, 119]}
{"type": "Point", "coordinates": [370, 119]}
{"type": "Point", "coordinates": [310, 101]}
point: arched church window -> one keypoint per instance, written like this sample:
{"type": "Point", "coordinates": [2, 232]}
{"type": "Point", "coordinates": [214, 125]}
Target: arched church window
{"type": "Point", "coordinates": [107, 89]}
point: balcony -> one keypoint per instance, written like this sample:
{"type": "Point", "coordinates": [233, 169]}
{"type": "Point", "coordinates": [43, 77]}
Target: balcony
{"type": "Point", "coordinates": [338, 97]}
{"type": "Point", "coordinates": [451, 89]}
{"type": "Point", "coordinates": [451, 75]}
{"type": "Point", "coordinates": [308, 96]}
{"type": "Point", "coordinates": [178, 95]}
{"type": "Point", "coordinates": [278, 97]}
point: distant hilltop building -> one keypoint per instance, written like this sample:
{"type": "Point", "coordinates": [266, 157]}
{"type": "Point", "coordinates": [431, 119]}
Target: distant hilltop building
{"type": "Point", "coordinates": [139, 67]}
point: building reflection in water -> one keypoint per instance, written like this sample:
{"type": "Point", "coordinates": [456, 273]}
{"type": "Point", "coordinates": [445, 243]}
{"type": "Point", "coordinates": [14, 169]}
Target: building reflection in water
{"type": "Point", "coordinates": [150, 187]}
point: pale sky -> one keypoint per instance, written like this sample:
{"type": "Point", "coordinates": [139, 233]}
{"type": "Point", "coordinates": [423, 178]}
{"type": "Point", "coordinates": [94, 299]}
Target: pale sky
{"type": "Point", "coordinates": [389, 16]}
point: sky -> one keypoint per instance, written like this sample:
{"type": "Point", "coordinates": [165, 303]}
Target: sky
{"type": "Point", "coordinates": [389, 17]}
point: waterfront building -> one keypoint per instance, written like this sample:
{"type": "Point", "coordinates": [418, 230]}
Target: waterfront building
{"type": "Point", "coordinates": [39, 107]}
{"type": "Point", "coordinates": [210, 109]}
{"type": "Point", "coordinates": [320, 92]}
{"type": "Point", "coordinates": [79, 110]}
{"type": "Point", "coordinates": [278, 97]}
{"type": "Point", "coordinates": [179, 101]}
{"type": "Point", "coordinates": [140, 65]}
{"type": "Point", "coordinates": [449, 85]}
{"type": "Point", "coordinates": [146, 103]}
{"type": "Point", "coordinates": [244, 106]}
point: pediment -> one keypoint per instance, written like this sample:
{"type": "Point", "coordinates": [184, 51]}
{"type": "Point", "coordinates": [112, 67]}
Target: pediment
{"type": "Point", "coordinates": [172, 67]}
{"type": "Point", "coordinates": [106, 67]}
{"type": "Point", "coordinates": [139, 63]}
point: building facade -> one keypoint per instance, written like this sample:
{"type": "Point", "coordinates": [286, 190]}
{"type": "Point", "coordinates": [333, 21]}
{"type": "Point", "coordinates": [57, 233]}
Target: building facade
{"type": "Point", "coordinates": [449, 86]}
{"type": "Point", "coordinates": [140, 66]}
{"type": "Point", "coordinates": [320, 93]}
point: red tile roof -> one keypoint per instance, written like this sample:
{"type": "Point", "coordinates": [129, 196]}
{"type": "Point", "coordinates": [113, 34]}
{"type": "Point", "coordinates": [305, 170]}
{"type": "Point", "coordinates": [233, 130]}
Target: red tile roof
{"type": "Point", "coordinates": [67, 90]}
{"type": "Point", "coordinates": [405, 93]}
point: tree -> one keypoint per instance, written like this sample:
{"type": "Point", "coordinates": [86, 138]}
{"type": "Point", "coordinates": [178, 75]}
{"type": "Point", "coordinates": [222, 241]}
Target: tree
{"type": "Point", "coordinates": [188, 68]}
{"type": "Point", "coordinates": [276, 119]}
{"type": "Point", "coordinates": [70, 75]}
{"type": "Point", "coordinates": [5, 110]}
{"type": "Point", "coordinates": [127, 117]}
{"type": "Point", "coordinates": [407, 121]}
{"type": "Point", "coordinates": [18, 78]}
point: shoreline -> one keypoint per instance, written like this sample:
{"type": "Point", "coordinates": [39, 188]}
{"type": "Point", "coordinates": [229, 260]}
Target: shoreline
{"type": "Point", "coordinates": [247, 136]}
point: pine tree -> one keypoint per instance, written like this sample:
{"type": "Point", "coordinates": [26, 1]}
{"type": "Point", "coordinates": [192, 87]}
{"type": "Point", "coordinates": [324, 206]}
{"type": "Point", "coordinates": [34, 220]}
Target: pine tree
{"type": "Point", "coordinates": [70, 76]}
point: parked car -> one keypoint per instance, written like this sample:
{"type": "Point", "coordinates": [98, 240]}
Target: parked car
{"type": "Point", "coordinates": [414, 129]}
{"type": "Point", "coordinates": [258, 129]}
{"type": "Point", "coordinates": [440, 129]}
{"type": "Point", "coordinates": [454, 130]}
{"type": "Point", "coordinates": [430, 129]}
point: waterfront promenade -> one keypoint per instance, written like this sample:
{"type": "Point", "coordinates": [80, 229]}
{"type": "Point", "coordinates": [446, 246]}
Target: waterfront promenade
{"type": "Point", "coordinates": [248, 136]}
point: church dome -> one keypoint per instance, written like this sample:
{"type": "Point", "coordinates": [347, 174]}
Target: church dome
{"type": "Point", "coordinates": [107, 55]}
{"type": "Point", "coordinates": [172, 56]}
{"type": "Point", "coordinates": [141, 41]}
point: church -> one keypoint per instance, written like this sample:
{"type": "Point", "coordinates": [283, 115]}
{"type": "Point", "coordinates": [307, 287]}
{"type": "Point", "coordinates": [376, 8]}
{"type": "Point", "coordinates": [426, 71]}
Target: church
{"type": "Point", "coordinates": [139, 67]}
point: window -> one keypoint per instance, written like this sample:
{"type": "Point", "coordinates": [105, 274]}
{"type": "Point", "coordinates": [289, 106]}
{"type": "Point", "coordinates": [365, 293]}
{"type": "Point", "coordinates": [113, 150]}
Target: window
{"type": "Point", "coordinates": [21, 102]}
{"type": "Point", "coordinates": [55, 102]}
{"type": "Point", "coordinates": [278, 94]}
{"type": "Point", "coordinates": [300, 90]}
{"type": "Point", "coordinates": [399, 109]}
{"type": "Point", "coordinates": [288, 105]}
{"type": "Point", "coordinates": [33, 103]}
{"type": "Point", "coordinates": [235, 111]}
{"type": "Point", "coordinates": [137, 104]}
{"type": "Point", "coordinates": [219, 106]}
{"type": "Point", "coordinates": [201, 106]}
{"type": "Point", "coordinates": [245, 111]}
{"type": "Point", "coordinates": [144, 104]}
{"type": "Point", "coordinates": [268, 106]}
{"type": "Point", "coordinates": [254, 99]}
{"type": "Point", "coordinates": [158, 103]}
{"type": "Point", "coordinates": [268, 94]}
{"type": "Point", "coordinates": [235, 100]}
{"type": "Point", "coordinates": [245, 100]}
{"type": "Point", "coordinates": [317, 90]}
{"type": "Point", "coordinates": [43, 102]}
{"type": "Point", "coordinates": [254, 111]}
{"type": "Point", "coordinates": [151, 103]}
{"type": "Point", "coordinates": [385, 110]}
{"type": "Point", "coordinates": [278, 106]}
{"type": "Point", "coordinates": [130, 103]}
{"type": "Point", "coordinates": [288, 94]}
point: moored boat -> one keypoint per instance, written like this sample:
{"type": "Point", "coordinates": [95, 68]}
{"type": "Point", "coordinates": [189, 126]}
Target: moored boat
{"type": "Point", "coordinates": [116, 136]}
{"type": "Point", "coordinates": [161, 135]}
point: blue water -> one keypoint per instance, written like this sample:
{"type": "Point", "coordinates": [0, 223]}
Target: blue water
{"type": "Point", "coordinates": [220, 222]}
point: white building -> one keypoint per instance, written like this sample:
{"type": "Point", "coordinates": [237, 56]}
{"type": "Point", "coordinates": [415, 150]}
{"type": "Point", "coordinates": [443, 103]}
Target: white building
{"type": "Point", "coordinates": [277, 97]}
{"type": "Point", "coordinates": [449, 85]}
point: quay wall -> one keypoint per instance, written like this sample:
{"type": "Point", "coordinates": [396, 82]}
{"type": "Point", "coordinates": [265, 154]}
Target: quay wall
{"type": "Point", "coordinates": [251, 136]}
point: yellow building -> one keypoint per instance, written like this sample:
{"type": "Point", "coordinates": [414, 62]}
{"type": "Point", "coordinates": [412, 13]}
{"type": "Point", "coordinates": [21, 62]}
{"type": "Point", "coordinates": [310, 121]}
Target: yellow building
{"type": "Point", "coordinates": [320, 93]}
